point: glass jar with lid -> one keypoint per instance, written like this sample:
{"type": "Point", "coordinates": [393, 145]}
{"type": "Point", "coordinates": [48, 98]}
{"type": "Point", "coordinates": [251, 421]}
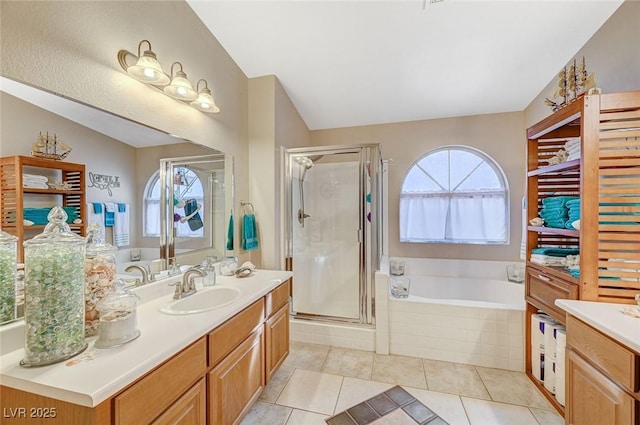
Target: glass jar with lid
{"type": "Point", "coordinates": [118, 318]}
{"type": "Point", "coordinates": [8, 263]}
{"type": "Point", "coordinates": [54, 293]}
{"type": "Point", "coordinates": [209, 268]}
{"type": "Point", "coordinates": [99, 276]}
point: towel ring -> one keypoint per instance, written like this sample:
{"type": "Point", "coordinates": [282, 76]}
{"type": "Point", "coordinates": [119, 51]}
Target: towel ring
{"type": "Point", "coordinates": [244, 205]}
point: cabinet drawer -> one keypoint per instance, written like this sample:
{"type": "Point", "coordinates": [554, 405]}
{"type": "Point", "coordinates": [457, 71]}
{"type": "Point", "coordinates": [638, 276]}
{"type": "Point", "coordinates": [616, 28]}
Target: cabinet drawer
{"type": "Point", "coordinates": [277, 298]}
{"type": "Point", "coordinates": [543, 290]}
{"type": "Point", "coordinates": [150, 396]}
{"type": "Point", "coordinates": [190, 409]}
{"type": "Point", "coordinates": [227, 336]}
{"type": "Point", "coordinates": [617, 361]}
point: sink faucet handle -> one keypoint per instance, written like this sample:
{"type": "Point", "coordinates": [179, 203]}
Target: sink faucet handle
{"type": "Point", "coordinates": [178, 294]}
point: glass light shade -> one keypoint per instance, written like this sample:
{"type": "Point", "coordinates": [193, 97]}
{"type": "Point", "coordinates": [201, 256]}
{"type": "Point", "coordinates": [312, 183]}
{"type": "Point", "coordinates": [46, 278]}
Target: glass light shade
{"type": "Point", "coordinates": [180, 88]}
{"type": "Point", "coordinates": [205, 102]}
{"type": "Point", "coordinates": [148, 70]}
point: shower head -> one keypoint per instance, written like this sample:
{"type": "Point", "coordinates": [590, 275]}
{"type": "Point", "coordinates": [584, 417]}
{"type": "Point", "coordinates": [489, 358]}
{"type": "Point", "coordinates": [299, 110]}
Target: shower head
{"type": "Point", "coordinates": [305, 161]}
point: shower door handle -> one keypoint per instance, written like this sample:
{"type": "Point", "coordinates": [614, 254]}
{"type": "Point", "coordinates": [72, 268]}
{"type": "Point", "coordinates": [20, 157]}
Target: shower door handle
{"type": "Point", "coordinates": [302, 216]}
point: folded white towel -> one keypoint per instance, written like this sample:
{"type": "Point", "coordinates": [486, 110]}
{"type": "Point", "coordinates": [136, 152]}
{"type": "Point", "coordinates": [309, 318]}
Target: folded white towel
{"type": "Point", "coordinates": [35, 177]}
{"type": "Point", "coordinates": [572, 142]}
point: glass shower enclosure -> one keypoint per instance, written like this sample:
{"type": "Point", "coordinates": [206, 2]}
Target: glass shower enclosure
{"type": "Point", "coordinates": [333, 220]}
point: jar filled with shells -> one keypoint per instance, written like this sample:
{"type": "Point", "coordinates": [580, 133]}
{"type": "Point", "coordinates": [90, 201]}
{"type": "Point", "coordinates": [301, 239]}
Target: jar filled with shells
{"type": "Point", "coordinates": [54, 293]}
{"type": "Point", "coordinates": [99, 276]}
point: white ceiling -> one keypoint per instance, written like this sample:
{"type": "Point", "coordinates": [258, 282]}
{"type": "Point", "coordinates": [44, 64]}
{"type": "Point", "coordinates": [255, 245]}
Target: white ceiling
{"type": "Point", "coordinates": [349, 63]}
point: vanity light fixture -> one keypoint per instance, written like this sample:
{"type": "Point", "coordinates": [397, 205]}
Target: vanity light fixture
{"type": "Point", "coordinates": [180, 88]}
{"type": "Point", "coordinates": [205, 102]}
{"type": "Point", "coordinates": [147, 68]}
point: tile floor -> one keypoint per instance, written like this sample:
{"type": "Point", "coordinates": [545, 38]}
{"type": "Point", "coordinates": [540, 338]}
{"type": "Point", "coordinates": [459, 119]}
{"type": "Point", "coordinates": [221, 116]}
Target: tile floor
{"type": "Point", "coordinates": [318, 381]}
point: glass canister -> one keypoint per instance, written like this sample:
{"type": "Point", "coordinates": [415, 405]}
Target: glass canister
{"type": "Point", "coordinates": [118, 319]}
{"type": "Point", "coordinates": [209, 268]}
{"type": "Point", "coordinates": [99, 276]}
{"type": "Point", "coordinates": [228, 266]}
{"type": "Point", "coordinates": [8, 262]}
{"type": "Point", "coordinates": [54, 293]}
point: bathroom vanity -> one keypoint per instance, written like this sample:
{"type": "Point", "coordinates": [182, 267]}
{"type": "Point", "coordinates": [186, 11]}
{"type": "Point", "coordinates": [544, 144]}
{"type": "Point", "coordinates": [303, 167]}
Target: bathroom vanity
{"type": "Point", "coordinates": [205, 368]}
{"type": "Point", "coordinates": [602, 364]}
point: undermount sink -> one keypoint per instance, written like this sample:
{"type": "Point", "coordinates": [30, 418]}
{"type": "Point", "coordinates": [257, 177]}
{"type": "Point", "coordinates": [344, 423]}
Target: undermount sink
{"type": "Point", "coordinates": [203, 300]}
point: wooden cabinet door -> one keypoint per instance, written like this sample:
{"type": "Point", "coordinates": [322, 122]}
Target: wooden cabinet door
{"type": "Point", "coordinates": [593, 399]}
{"type": "Point", "coordinates": [190, 409]}
{"type": "Point", "coordinates": [277, 340]}
{"type": "Point", "coordinates": [237, 381]}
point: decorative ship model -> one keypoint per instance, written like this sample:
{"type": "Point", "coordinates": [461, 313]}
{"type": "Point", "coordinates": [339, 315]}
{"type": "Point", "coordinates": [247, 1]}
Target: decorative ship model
{"type": "Point", "coordinates": [572, 83]}
{"type": "Point", "coordinates": [50, 147]}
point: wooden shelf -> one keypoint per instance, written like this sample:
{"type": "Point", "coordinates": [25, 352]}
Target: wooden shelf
{"type": "Point", "coordinates": [13, 193]}
{"type": "Point", "coordinates": [51, 191]}
{"type": "Point", "coordinates": [573, 165]}
{"type": "Point", "coordinates": [554, 231]}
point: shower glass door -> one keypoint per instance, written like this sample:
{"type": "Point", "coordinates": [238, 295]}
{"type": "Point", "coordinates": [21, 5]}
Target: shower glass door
{"type": "Point", "coordinates": [329, 199]}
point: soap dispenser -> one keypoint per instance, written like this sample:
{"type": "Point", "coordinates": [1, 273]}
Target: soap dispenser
{"type": "Point", "coordinates": [8, 263]}
{"type": "Point", "coordinates": [54, 293]}
{"type": "Point", "coordinates": [99, 276]}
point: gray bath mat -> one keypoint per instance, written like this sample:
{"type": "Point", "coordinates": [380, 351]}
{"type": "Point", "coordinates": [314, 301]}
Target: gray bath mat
{"type": "Point", "coordinates": [392, 407]}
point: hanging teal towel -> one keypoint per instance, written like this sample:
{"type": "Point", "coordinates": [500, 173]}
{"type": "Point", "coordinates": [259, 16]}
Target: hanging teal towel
{"type": "Point", "coordinates": [249, 234]}
{"type": "Point", "coordinates": [230, 234]}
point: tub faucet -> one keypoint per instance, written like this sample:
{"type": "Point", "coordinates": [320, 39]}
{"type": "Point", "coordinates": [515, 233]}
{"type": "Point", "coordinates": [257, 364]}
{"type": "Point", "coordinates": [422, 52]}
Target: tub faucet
{"type": "Point", "coordinates": [187, 286]}
{"type": "Point", "coordinates": [143, 270]}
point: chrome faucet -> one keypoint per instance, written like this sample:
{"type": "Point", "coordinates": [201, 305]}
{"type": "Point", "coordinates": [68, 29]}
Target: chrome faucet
{"type": "Point", "coordinates": [143, 270]}
{"type": "Point", "coordinates": [187, 286]}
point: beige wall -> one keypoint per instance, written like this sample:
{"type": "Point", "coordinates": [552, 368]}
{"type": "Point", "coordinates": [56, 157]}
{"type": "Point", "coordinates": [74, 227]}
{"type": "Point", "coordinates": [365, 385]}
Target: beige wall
{"type": "Point", "coordinates": [612, 54]}
{"type": "Point", "coordinates": [501, 136]}
{"type": "Point", "coordinates": [70, 48]}
{"type": "Point", "coordinates": [274, 122]}
{"type": "Point", "coordinates": [21, 123]}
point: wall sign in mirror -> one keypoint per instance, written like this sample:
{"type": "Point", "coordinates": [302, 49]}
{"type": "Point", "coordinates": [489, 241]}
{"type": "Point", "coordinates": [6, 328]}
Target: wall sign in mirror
{"type": "Point", "coordinates": [103, 182]}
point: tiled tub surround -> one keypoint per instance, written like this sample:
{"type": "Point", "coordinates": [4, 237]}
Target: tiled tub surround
{"type": "Point", "coordinates": [459, 311]}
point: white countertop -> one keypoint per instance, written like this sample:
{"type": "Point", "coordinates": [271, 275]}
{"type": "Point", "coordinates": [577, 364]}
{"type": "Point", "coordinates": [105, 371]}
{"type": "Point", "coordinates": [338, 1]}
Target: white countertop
{"type": "Point", "coordinates": [96, 374]}
{"type": "Point", "coordinates": [608, 319]}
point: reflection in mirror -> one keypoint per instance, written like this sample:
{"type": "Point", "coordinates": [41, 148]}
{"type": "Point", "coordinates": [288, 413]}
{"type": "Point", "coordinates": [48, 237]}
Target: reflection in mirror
{"type": "Point", "coordinates": [192, 192]}
{"type": "Point", "coordinates": [122, 151]}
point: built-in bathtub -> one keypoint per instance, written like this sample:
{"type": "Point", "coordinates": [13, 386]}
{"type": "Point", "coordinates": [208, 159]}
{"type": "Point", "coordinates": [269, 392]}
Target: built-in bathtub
{"type": "Point", "coordinates": [458, 311]}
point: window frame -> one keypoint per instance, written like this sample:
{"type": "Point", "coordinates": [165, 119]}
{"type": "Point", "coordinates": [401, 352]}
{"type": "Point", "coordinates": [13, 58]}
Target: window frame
{"type": "Point", "coordinates": [502, 191]}
{"type": "Point", "coordinates": [148, 190]}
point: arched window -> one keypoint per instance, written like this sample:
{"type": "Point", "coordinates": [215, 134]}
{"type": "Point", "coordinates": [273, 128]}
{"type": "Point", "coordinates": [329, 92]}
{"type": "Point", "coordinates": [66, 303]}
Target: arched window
{"type": "Point", "coordinates": [187, 186]}
{"type": "Point", "coordinates": [455, 194]}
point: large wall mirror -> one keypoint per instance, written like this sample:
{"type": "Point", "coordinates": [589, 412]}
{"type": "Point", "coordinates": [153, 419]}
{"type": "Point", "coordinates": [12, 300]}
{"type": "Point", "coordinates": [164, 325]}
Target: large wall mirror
{"type": "Point", "coordinates": [129, 163]}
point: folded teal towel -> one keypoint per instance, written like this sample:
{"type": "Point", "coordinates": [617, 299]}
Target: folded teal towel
{"type": "Point", "coordinates": [574, 203]}
{"type": "Point", "coordinates": [556, 252]}
{"type": "Point", "coordinates": [554, 213]}
{"type": "Point", "coordinates": [97, 207]}
{"type": "Point", "coordinates": [558, 201]}
{"type": "Point", "coordinates": [230, 234]}
{"type": "Point", "coordinates": [249, 233]}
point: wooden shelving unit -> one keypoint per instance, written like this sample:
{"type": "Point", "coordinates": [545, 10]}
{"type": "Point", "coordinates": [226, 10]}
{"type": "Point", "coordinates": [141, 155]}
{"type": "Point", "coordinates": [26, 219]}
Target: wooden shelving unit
{"type": "Point", "coordinates": [12, 198]}
{"type": "Point", "coordinates": [607, 180]}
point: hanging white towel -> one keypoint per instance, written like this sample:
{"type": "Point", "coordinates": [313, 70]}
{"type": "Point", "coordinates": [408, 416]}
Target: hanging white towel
{"type": "Point", "coordinates": [121, 226]}
{"type": "Point", "coordinates": [95, 214]}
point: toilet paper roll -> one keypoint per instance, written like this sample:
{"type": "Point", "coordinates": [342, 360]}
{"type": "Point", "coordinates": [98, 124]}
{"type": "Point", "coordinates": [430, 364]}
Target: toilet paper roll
{"type": "Point", "coordinates": [538, 321]}
{"type": "Point", "coordinates": [561, 344]}
{"type": "Point", "coordinates": [550, 330]}
{"type": "Point", "coordinates": [537, 365]}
